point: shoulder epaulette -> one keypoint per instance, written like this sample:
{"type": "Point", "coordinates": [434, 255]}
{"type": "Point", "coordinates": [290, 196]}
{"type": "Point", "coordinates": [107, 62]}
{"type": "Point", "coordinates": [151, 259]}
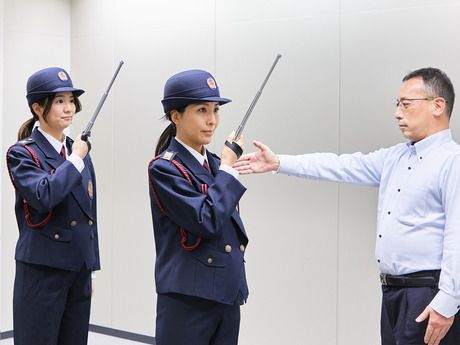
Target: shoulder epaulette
{"type": "Point", "coordinates": [168, 155]}
{"type": "Point", "coordinates": [26, 141]}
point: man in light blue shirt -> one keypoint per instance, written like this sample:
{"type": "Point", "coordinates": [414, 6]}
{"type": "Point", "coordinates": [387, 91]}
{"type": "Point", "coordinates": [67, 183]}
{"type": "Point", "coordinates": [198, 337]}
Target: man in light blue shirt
{"type": "Point", "coordinates": [418, 225]}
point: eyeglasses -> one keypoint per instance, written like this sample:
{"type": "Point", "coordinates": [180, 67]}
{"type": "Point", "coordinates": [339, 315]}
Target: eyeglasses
{"type": "Point", "coordinates": [404, 103]}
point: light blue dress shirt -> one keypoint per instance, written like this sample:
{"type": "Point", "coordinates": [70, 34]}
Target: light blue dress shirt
{"type": "Point", "coordinates": [418, 219]}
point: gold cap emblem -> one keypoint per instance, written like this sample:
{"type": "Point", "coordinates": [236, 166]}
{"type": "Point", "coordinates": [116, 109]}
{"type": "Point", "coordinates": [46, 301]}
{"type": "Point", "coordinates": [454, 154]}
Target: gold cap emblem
{"type": "Point", "coordinates": [63, 76]}
{"type": "Point", "coordinates": [211, 83]}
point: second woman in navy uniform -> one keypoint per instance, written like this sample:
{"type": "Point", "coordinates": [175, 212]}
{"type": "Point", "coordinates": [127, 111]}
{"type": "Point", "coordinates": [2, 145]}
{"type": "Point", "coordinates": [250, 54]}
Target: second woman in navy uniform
{"type": "Point", "coordinates": [55, 209]}
{"type": "Point", "coordinates": [200, 239]}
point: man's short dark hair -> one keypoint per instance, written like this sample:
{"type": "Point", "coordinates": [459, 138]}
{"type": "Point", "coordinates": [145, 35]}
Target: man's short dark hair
{"type": "Point", "coordinates": [437, 83]}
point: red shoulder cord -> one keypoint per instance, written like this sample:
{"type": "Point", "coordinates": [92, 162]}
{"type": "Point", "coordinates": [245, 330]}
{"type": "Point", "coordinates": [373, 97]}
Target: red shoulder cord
{"type": "Point", "coordinates": [204, 190]}
{"type": "Point", "coordinates": [24, 201]}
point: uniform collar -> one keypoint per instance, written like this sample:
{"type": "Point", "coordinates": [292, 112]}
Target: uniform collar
{"type": "Point", "coordinates": [199, 157]}
{"type": "Point", "coordinates": [422, 147]}
{"type": "Point", "coordinates": [57, 145]}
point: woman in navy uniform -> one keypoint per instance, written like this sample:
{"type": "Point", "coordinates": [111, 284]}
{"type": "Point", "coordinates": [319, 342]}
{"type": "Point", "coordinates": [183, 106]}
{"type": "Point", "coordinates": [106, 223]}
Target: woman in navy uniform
{"type": "Point", "coordinates": [199, 237]}
{"type": "Point", "coordinates": [57, 249]}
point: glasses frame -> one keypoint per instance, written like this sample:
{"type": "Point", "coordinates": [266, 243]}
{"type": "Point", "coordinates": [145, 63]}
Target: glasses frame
{"type": "Point", "coordinates": [399, 102]}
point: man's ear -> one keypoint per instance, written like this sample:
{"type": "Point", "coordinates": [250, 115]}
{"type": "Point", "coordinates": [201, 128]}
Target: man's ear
{"type": "Point", "coordinates": [439, 105]}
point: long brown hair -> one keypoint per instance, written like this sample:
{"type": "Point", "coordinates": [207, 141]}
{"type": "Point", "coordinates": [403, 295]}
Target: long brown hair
{"type": "Point", "coordinates": [26, 128]}
{"type": "Point", "coordinates": [168, 133]}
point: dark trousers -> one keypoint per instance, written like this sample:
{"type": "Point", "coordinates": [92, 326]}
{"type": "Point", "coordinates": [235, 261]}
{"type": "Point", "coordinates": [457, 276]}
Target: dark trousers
{"type": "Point", "coordinates": [187, 320]}
{"type": "Point", "coordinates": [400, 307]}
{"type": "Point", "coordinates": [51, 306]}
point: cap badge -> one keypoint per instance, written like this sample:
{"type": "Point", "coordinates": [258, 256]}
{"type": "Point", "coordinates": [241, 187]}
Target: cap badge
{"type": "Point", "coordinates": [63, 76]}
{"type": "Point", "coordinates": [211, 83]}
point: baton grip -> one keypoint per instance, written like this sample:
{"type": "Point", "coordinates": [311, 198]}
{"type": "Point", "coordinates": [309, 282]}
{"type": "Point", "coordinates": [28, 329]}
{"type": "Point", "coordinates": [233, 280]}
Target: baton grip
{"type": "Point", "coordinates": [235, 148]}
{"type": "Point", "coordinates": [84, 137]}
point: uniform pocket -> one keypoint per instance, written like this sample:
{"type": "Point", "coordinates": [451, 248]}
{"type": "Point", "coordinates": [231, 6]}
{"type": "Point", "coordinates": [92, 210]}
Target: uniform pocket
{"type": "Point", "coordinates": [57, 234]}
{"type": "Point", "coordinates": [210, 257]}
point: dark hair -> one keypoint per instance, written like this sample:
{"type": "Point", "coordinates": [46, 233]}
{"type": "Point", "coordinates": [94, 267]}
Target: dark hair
{"type": "Point", "coordinates": [26, 128]}
{"type": "Point", "coordinates": [437, 84]}
{"type": "Point", "coordinates": [168, 133]}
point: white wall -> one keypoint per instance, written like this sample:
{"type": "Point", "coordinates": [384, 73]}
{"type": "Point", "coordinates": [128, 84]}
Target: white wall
{"type": "Point", "coordinates": [2, 321]}
{"type": "Point", "coordinates": [310, 260]}
{"type": "Point", "coordinates": [35, 34]}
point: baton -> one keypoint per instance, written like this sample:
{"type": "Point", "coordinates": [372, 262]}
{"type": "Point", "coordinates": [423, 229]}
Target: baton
{"type": "Point", "coordinates": [87, 132]}
{"type": "Point", "coordinates": [233, 145]}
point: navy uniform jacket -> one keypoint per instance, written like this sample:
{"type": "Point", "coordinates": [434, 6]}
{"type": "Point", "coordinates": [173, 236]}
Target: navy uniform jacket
{"type": "Point", "coordinates": [215, 269]}
{"type": "Point", "coordinates": [69, 240]}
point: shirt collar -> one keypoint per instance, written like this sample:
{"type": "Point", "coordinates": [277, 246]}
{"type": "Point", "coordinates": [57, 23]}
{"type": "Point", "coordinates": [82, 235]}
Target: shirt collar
{"type": "Point", "coordinates": [199, 157]}
{"type": "Point", "coordinates": [423, 146]}
{"type": "Point", "coordinates": [53, 141]}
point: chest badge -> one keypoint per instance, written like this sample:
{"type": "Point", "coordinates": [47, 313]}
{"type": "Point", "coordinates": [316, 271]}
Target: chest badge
{"type": "Point", "coordinates": [90, 189]}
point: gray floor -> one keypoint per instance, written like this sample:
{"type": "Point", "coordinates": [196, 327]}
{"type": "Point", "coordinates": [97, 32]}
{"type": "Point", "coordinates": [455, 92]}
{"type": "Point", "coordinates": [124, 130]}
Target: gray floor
{"type": "Point", "coordinates": [94, 339]}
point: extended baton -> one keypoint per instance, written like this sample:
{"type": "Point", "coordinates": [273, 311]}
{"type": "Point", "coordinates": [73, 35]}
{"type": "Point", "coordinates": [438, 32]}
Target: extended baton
{"type": "Point", "coordinates": [233, 145]}
{"type": "Point", "coordinates": [87, 132]}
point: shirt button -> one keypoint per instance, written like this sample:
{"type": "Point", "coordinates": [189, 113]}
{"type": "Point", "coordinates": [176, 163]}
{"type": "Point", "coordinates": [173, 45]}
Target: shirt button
{"type": "Point", "coordinates": [380, 236]}
{"type": "Point", "coordinates": [73, 223]}
{"type": "Point", "coordinates": [399, 190]}
{"type": "Point", "coordinates": [378, 260]}
{"type": "Point", "coordinates": [56, 236]}
{"type": "Point", "coordinates": [228, 248]}
{"type": "Point", "coordinates": [389, 212]}
{"type": "Point", "coordinates": [409, 168]}
{"type": "Point", "coordinates": [242, 248]}
{"type": "Point", "coordinates": [90, 222]}
{"type": "Point", "coordinates": [210, 260]}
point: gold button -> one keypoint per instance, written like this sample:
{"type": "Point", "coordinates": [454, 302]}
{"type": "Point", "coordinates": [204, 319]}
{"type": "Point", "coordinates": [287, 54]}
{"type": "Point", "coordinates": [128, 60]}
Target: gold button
{"type": "Point", "coordinates": [242, 248]}
{"type": "Point", "coordinates": [90, 222]}
{"type": "Point", "coordinates": [210, 260]}
{"type": "Point", "coordinates": [56, 236]}
{"type": "Point", "coordinates": [228, 248]}
{"type": "Point", "coordinates": [73, 223]}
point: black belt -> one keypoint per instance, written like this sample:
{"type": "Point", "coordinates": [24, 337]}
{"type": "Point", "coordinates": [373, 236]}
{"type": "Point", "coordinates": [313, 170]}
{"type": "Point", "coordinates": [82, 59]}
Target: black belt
{"type": "Point", "coordinates": [417, 279]}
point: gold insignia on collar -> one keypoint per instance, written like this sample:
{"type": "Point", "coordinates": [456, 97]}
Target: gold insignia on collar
{"type": "Point", "coordinates": [168, 155]}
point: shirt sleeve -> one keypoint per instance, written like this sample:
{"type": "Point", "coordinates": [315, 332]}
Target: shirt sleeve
{"type": "Point", "coordinates": [229, 170]}
{"type": "Point", "coordinates": [77, 162]}
{"type": "Point", "coordinates": [447, 300]}
{"type": "Point", "coordinates": [356, 168]}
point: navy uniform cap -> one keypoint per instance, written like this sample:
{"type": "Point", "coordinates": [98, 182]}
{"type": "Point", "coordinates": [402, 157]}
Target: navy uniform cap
{"type": "Point", "coordinates": [190, 87]}
{"type": "Point", "coordinates": [47, 81]}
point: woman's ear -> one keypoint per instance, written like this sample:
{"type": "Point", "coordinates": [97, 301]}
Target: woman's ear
{"type": "Point", "coordinates": [37, 109]}
{"type": "Point", "coordinates": [174, 116]}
